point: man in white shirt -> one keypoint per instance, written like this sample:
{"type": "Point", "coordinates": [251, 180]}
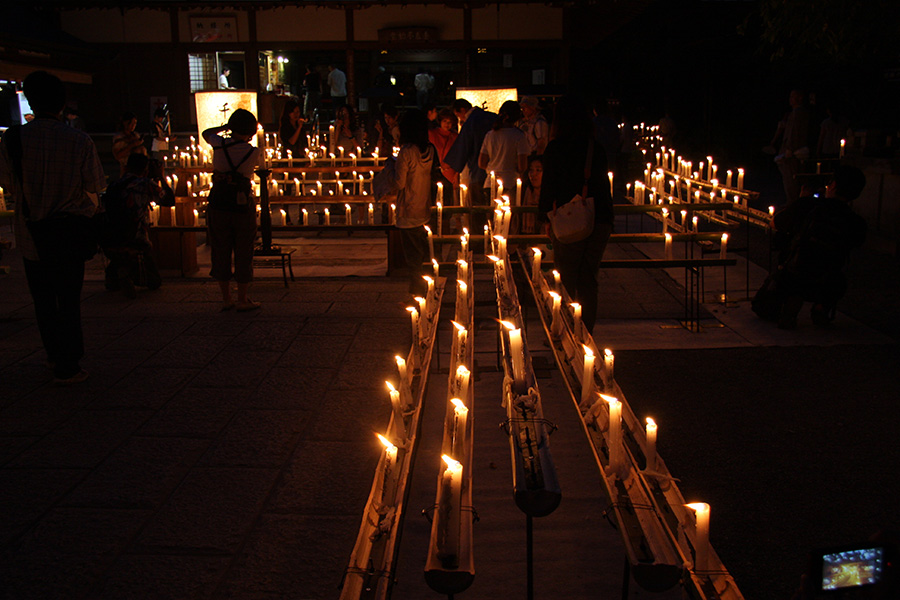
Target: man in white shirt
{"type": "Point", "coordinates": [223, 79]}
{"type": "Point", "coordinates": [337, 83]}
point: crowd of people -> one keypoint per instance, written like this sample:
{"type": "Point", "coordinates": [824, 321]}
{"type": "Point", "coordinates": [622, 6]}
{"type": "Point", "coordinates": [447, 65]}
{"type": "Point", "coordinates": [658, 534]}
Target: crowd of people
{"type": "Point", "coordinates": [562, 154]}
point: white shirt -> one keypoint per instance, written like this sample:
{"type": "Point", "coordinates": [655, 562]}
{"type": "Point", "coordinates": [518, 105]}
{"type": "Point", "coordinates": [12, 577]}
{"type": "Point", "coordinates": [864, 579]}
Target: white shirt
{"type": "Point", "coordinates": [503, 147]}
{"type": "Point", "coordinates": [338, 82]}
{"type": "Point", "coordinates": [223, 82]}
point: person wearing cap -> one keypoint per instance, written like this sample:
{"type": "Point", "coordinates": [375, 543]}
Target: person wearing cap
{"type": "Point", "coordinates": [534, 125]}
{"type": "Point", "coordinates": [231, 219]}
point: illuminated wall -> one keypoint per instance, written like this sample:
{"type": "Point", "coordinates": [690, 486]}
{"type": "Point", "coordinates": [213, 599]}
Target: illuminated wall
{"type": "Point", "coordinates": [214, 108]}
{"type": "Point", "coordinates": [493, 97]}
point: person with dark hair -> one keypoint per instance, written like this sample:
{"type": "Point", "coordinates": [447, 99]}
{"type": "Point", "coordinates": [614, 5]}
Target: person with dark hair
{"type": "Point", "coordinates": [442, 137]}
{"type": "Point", "coordinates": [388, 129]}
{"type": "Point", "coordinates": [821, 233]}
{"type": "Point", "coordinates": [223, 79]}
{"type": "Point", "coordinates": [535, 126]}
{"type": "Point", "coordinates": [505, 149]}
{"type": "Point", "coordinates": [161, 133]}
{"type": "Point", "coordinates": [312, 88]}
{"type": "Point", "coordinates": [575, 164]}
{"type": "Point", "coordinates": [55, 175]}
{"type": "Point", "coordinates": [231, 212]}
{"type": "Point", "coordinates": [290, 128]}
{"type": "Point", "coordinates": [464, 153]}
{"type": "Point", "coordinates": [127, 141]}
{"type": "Point", "coordinates": [350, 134]}
{"type": "Point", "coordinates": [532, 193]}
{"type": "Point", "coordinates": [337, 85]}
{"type": "Point", "coordinates": [126, 239]}
{"type": "Point", "coordinates": [415, 161]}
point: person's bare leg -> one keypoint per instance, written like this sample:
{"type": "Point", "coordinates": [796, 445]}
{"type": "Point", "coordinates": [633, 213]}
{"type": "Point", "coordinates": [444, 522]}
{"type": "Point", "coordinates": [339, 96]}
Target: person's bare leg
{"type": "Point", "coordinates": [225, 288]}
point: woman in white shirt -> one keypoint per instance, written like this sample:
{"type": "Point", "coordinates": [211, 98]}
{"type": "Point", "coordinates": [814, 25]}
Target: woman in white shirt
{"type": "Point", "coordinates": [505, 148]}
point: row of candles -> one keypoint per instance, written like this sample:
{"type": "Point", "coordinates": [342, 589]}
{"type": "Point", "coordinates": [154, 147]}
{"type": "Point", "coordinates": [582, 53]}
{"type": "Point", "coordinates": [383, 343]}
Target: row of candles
{"type": "Point", "coordinates": [592, 401]}
{"type": "Point", "coordinates": [447, 526]}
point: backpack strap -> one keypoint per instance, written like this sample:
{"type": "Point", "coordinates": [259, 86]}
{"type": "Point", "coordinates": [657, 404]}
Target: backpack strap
{"type": "Point", "coordinates": [235, 167]}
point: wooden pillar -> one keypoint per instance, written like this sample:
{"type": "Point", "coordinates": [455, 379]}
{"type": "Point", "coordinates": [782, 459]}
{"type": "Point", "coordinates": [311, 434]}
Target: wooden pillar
{"type": "Point", "coordinates": [467, 38]}
{"type": "Point", "coordinates": [351, 63]}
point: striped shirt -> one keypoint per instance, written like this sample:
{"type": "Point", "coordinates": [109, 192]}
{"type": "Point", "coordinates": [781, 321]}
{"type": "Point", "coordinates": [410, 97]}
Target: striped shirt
{"type": "Point", "coordinates": [61, 173]}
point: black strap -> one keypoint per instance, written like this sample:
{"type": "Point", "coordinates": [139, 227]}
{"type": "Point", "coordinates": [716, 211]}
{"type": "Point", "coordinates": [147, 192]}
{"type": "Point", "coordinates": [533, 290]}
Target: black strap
{"type": "Point", "coordinates": [228, 156]}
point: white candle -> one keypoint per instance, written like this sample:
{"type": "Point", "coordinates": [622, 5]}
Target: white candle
{"type": "Point", "coordinates": [462, 302]}
{"type": "Point", "coordinates": [172, 216]}
{"type": "Point", "coordinates": [440, 213]}
{"type": "Point", "coordinates": [414, 317]}
{"type": "Point", "coordinates": [401, 368]}
{"type": "Point", "coordinates": [499, 269]}
{"type": "Point", "coordinates": [701, 540]}
{"type": "Point", "coordinates": [740, 179]}
{"type": "Point", "coordinates": [723, 249]}
{"type": "Point", "coordinates": [694, 222]}
{"type": "Point", "coordinates": [463, 194]}
{"type": "Point", "coordinates": [327, 217]}
{"type": "Point", "coordinates": [518, 192]}
{"type": "Point", "coordinates": [535, 263]}
{"type": "Point", "coordinates": [460, 418]}
{"type": "Point", "coordinates": [396, 407]}
{"type": "Point", "coordinates": [347, 214]}
{"type": "Point", "coordinates": [435, 267]}
{"type": "Point", "coordinates": [305, 217]}
{"type": "Point", "coordinates": [557, 280]}
{"type": "Point", "coordinates": [462, 382]}
{"type": "Point", "coordinates": [843, 145]}
{"type": "Point", "coordinates": [462, 334]}
{"type": "Point", "coordinates": [556, 322]}
{"type": "Point", "coordinates": [668, 246]}
{"type": "Point", "coordinates": [423, 312]}
{"type": "Point", "coordinates": [650, 450]}
{"type": "Point", "coordinates": [430, 282]}
{"type": "Point", "coordinates": [516, 351]}
{"type": "Point", "coordinates": [615, 434]}
{"type": "Point", "coordinates": [608, 363]}
{"type": "Point", "coordinates": [665, 219]}
{"type": "Point", "coordinates": [493, 185]}
{"type": "Point", "coordinates": [393, 214]}
{"type": "Point", "coordinates": [576, 319]}
{"type": "Point", "coordinates": [462, 270]}
{"type": "Point", "coordinates": [587, 378]}
{"type": "Point", "coordinates": [390, 458]}
{"type": "Point", "coordinates": [449, 505]}
{"type": "Point", "coordinates": [728, 175]}
{"type": "Point", "coordinates": [371, 214]}
{"type": "Point", "coordinates": [196, 216]}
{"type": "Point", "coordinates": [610, 175]}
{"type": "Point", "coordinates": [499, 188]}
{"type": "Point", "coordinates": [319, 187]}
{"type": "Point", "coordinates": [430, 241]}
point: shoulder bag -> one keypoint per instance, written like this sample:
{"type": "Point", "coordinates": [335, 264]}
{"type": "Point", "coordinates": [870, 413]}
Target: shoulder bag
{"type": "Point", "coordinates": [574, 220]}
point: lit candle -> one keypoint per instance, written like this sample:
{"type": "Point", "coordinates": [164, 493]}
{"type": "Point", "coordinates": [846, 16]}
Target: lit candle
{"type": "Point", "coordinates": [462, 335]}
{"type": "Point", "coordinates": [493, 185]}
{"type": "Point", "coordinates": [449, 505]}
{"type": "Point", "coordinates": [462, 382]}
{"type": "Point", "coordinates": [499, 188]}
{"type": "Point", "coordinates": [723, 249]}
{"type": "Point", "coordinates": [464, 244]}
{"type": "Point", "coordinates": [290, 156]}
{"type": "Point", "coordinates": [557, 280]}
{"type": "Point", "coordinates": [615, 434]}
{"type": "Point", "coordinates": [695, 221]}
{"type": "Point", "coordinates": [414, 317]}
{"type": "Point", "coordinates": [463, 194]}
{"type": "Point", "coordinates": [701, 540]}
{"type": "Point", "coordinates": [430, 241]}
{"type": "Point", "coordinates": [740, 179]}
{"type": "Point", "coordinates": [516, 350]}
{"type": "Point", "coordinates": [576, 319]}
{"type": "Point", "coordinates": [396, 407]}
{"type": "Point", "coordinates": [390, 457]}
{"type": "Point", "coordinates": [371, 214]}
{"type": "Point", "coordinates": [460, 418]}
{"type": "Point", "coordinates": [430, 282]}
{"type": "Point", "coordinates": [440, 214]}
{"type": "Point", "coordinates": [518, 191]}
{"type": "Point", "coordinates": [728, 175]}
{"type": "Point", "coordinates": [305, 217]}
{"type": "Point", "coordinates": [435, 267]}
{"type": "Point", "coordinates": [462, 302]}
{"type": "Point", "coordinates": [557, 304]}
{"type": "Point", "coordinates": [172, 216]}
{"type": "Point", "coordinates": [843, 145]}
{"type": "Point", "coordinates": [196, 216]}
{"type": "Point", "coordinates": [668, 246]}
{"type": "Point", "coordinates": [650, 450]}
{"type": "Point", "coordinates": [610, 175]}
{"type": "Point", "coordinates": [423, 306]}
{"type": "Point", "coordinates": [347, 214]}
{"type": "Point", "coordinates": [462, 269]}
{"type": "Point", "coordinates": [499, 269]}
{"type": "Point", "coordinates": [319, 187]}
{"type": "Point", "coordinates": [587, 378]}
{"type": "Point", "coordinates": [535, 263]}
{"type": "Point", "coordinates": [327, 217]}
{"type": "Point", "coordinates": [393, 214]}
{"type": "Point", "coordinates": [609, 361]}
{"type": "Point", "coordinates": [665, 219]}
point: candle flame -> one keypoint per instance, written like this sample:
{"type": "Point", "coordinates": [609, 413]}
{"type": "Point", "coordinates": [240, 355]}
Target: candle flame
{"type": "Point", "coordinates": [462, 262]}
{"type": "Point", "coordinates": [412, 309]}
{"type": "Point", "coordinates": [390, 386]}
{"type": "Point", "coordinates": [400, 361]}
{"type": "Point", "coordinates": [555, 295]}
{"type": "Point", "coordinates": [428, 278]}
{"type": "Point", "coordinates": [456, 402]}
{"type": "Point", "coordinates": [508, 325]}
{"type": "Point", "coordinates": [607, 352]}
{"type": "Point", "coordinates": [387, 443]}
{"type": "Point", "coordinates": [668, 237]}
{"type": "Point", "coordinates": [428, 229]}
{"type": "Point", "coordinates": [587, 351]}
{"type": "Point", "coordinates": [493, 258]}
{"type": "Point", "coordinates": [699, 507]}
{"type": "Point", "coordinates": [651, 424]}
{"type": "Point", "coordinates": [462, 371]}
{"type": "Point", "coordinates": [452, 463]}
{"type": "Point", "coordinates": [458, 326]}
{"type": "Point", "coordinates": [612, 400]}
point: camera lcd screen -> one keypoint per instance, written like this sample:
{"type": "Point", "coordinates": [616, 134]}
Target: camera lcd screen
{"type": "Point", "coordinates": [851, 568]}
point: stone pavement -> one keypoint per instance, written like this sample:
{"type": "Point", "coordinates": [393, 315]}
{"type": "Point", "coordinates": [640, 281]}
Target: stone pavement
{"type": "Point", "coordinates": [227, 455]}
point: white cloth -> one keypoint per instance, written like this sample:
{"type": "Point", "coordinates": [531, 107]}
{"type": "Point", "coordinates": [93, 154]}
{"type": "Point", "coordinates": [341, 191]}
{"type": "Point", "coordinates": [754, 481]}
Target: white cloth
{"type": "Point", "coordinates": [503, 148]}
{"type": "Point", "coordinates": [535, 130]}
{"type": "Point", "coordinates": [223, 82]}
{"type": "Point", "coordinates": [414, 186]}
{"type": "Point", "coordinates": [337, 81]}
{"type": "Point", "coordinates": [236, 152]}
